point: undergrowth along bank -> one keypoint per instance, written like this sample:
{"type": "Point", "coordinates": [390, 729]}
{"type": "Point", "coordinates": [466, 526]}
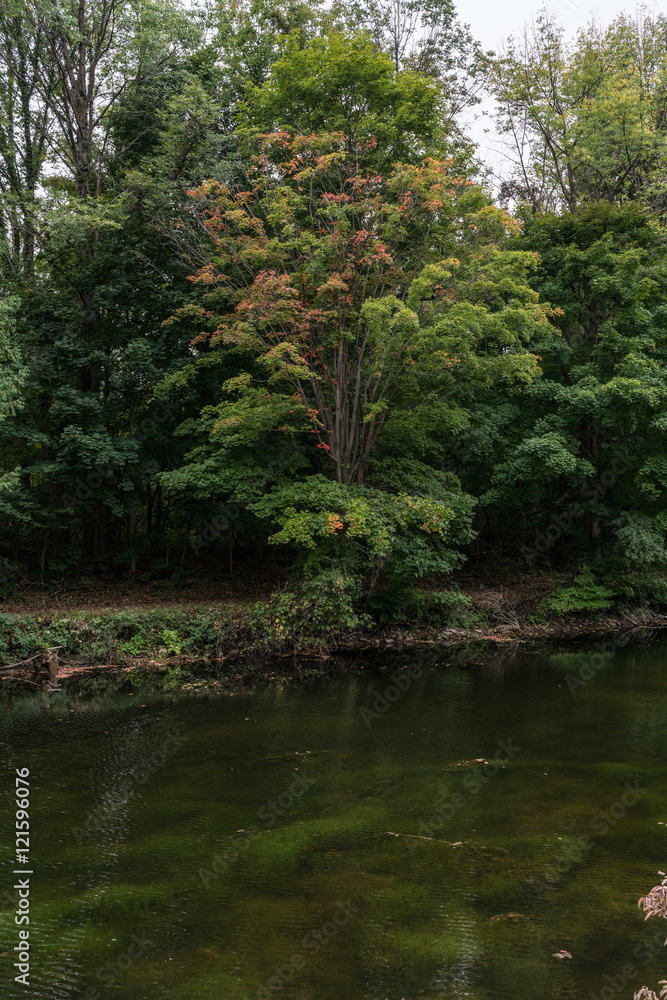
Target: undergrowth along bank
{"type": "Point", "coordinates": [172, 635]}
{"type": "Point", "coordinates": [122, 637]}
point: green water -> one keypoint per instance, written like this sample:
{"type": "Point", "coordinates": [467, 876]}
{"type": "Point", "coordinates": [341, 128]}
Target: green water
{"type": "Point", "coordinates": [134, 797]}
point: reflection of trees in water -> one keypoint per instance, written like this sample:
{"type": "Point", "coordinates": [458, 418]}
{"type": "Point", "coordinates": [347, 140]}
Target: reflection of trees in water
{"type": "Point", "coordinates": [455, 983]}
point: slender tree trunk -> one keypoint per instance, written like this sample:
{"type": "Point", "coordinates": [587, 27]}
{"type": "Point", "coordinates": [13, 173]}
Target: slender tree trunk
{"type": "Point", "coordinates": [130, 523]}
{"type": "Point", "coordinates": [149, 510]}
{"type": "Point", "coordinates": [596, 529]}
{"type": "Point", "coordinates": [158, 511]}
{"type": "Point", "coordinates": [42, 559]}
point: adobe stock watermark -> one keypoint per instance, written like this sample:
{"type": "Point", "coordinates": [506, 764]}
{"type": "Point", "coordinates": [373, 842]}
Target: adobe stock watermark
{"type": "Point", "coordinates": [83, 488]}
{"type": "Point", "coordinates": [563, 521]}
{"type": "Point", "coordinates": [6, 572]}
{"type": "Point", "coordinates": [311, 944]}
{"type": "Point", "coordinates": [402, 681]}
{"type": "Point", "coordinates": [211, 530]}
{"type": "Point", "coordinates": [268, 813]}
{"type": "Point", "coordinates": [111, 972]}
{"type": "Point", "coordinates": [472, 783]}
{"type": "Point", "coordinates": [97, 818]}
{"type": "Point", "coordinates": [567, 8]}
{"type": "Point", "coordinates": [601, 822]}
{"type": "Point", "coordinates": [453, 982]}
{"type": "Point", "coordinates": [604, 652]}
{"type": "Point", "coordinates": [645, 953]}
{"type": "Point", "coordinates": [225, 516]}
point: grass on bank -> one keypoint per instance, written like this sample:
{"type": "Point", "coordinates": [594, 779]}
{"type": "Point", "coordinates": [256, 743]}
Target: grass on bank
{"type": "Point", "coordinates": [310, 618]}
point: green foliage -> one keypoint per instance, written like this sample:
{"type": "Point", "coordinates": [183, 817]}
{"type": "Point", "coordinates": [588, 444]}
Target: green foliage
{"type": "Point", "coordinates": [373, 366]}
{"type": "Point", "coordinates": [137, 645]}
{"type": "Point", "coordinates": [584, 595]}
{"type": "Point", "coordinates": [12, 367]}
{"type": "Point", "coordinates": [399, 603]}
{"type": "Point", "coordinates": [642, 591]}
{"type": "Point", "coordinates": [363, 532]}
{"type": "Point", "coordinates": [642, 538]}
{"type": "Point", "coordinates": [344, 84]}
{"type": "Point", "coordinates": [252, 34]}
{"type": "Point", "coordinates": [323, 606]}
{"type": "Point", "coordinates": [18, 637]}
{"type": "Point", "coordinates": [585, 449]}
{"type": "Point", "coordinates": [171, 641]}
{"type": "Point", "coordinates": [112, 638]}
{"type": "Point", "coordinates": [173, 679]}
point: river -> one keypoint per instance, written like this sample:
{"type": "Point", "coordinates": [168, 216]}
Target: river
{"type": "Point", "coordinates": [438, 830]}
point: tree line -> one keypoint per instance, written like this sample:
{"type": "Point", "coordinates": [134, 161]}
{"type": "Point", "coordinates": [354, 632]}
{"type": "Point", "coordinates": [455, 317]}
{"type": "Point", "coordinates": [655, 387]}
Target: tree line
{"type": "Point", "coordinates": [260, 300]}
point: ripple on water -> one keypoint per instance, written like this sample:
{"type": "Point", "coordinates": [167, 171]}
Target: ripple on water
{"type": "Point", "coordinates": [233, 881]}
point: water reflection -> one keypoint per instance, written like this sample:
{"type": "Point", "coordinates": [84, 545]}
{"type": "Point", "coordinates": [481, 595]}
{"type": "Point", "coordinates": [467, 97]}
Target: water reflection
{"type": "Point", "coordinates": [203, 848]}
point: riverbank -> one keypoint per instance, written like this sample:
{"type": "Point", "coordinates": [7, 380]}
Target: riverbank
{"type": "Point", "coordinates": [230, 640]}
{"type": "Point", "coordinates": [461, 810]}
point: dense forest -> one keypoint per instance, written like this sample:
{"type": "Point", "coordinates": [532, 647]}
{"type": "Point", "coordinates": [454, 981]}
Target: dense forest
{"type": "Point", "coordinates": [262, 305]}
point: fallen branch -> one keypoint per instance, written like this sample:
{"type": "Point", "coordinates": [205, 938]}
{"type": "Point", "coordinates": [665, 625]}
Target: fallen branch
{"type": "Point", "coordinates": [450, 843]}
{"type": "Point", "coordinates": [22, 663]}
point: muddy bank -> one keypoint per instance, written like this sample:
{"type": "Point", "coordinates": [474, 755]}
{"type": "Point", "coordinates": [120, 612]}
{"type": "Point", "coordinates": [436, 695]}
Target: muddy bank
{"type": "Point", "coordinates": [226, 648]}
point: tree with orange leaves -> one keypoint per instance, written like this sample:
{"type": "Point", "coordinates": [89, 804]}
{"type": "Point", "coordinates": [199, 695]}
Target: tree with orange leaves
{"type": "Point", "coordinates": [360, 294]}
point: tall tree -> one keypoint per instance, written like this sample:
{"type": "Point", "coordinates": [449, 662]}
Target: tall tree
{"type": "Point", "coordinates": [341, 283]}
{"type": "Point", "coordinates": [24, 128]}
{"type": "Point", "coordinates": [359, 297]}
{"type": "Point", "coordinates": [98, 50]}
{"type": "Point", "coordinates": [426, 36]}
{"type": "Point", "coordinates": [589, 443]}
{"type": "Point", "coordinates": [586, 121]}
{"type": "Point", "coordinates": [343, 83]}
{"type": "Point", "coordinates": [90, 328]}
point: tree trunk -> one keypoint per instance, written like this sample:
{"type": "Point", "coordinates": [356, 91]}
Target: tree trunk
{"type": "Point", "coordinates": [130, 523]}
{"type": "Point", "coordinates": [596, 529]}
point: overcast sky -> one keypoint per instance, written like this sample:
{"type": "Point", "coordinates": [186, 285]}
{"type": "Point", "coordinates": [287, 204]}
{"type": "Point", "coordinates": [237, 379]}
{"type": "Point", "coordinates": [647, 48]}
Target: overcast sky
{"type": "Point", "coordinates": [492, 21]}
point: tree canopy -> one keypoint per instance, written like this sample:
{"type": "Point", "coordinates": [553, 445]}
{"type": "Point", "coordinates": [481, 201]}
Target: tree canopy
{"type": "Point", "coordinates": [252, 274]}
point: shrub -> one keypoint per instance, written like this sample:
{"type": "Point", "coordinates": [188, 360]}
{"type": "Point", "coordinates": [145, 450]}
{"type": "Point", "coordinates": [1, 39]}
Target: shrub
{"type": "Point", "coordinates": [584, 594]}
{"type": "Point", "coordinates": [171, 641]}
{"type": "Point", "coordinates": [321, 606]}
{"type": "Point", "coordinates": [400, 603]}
